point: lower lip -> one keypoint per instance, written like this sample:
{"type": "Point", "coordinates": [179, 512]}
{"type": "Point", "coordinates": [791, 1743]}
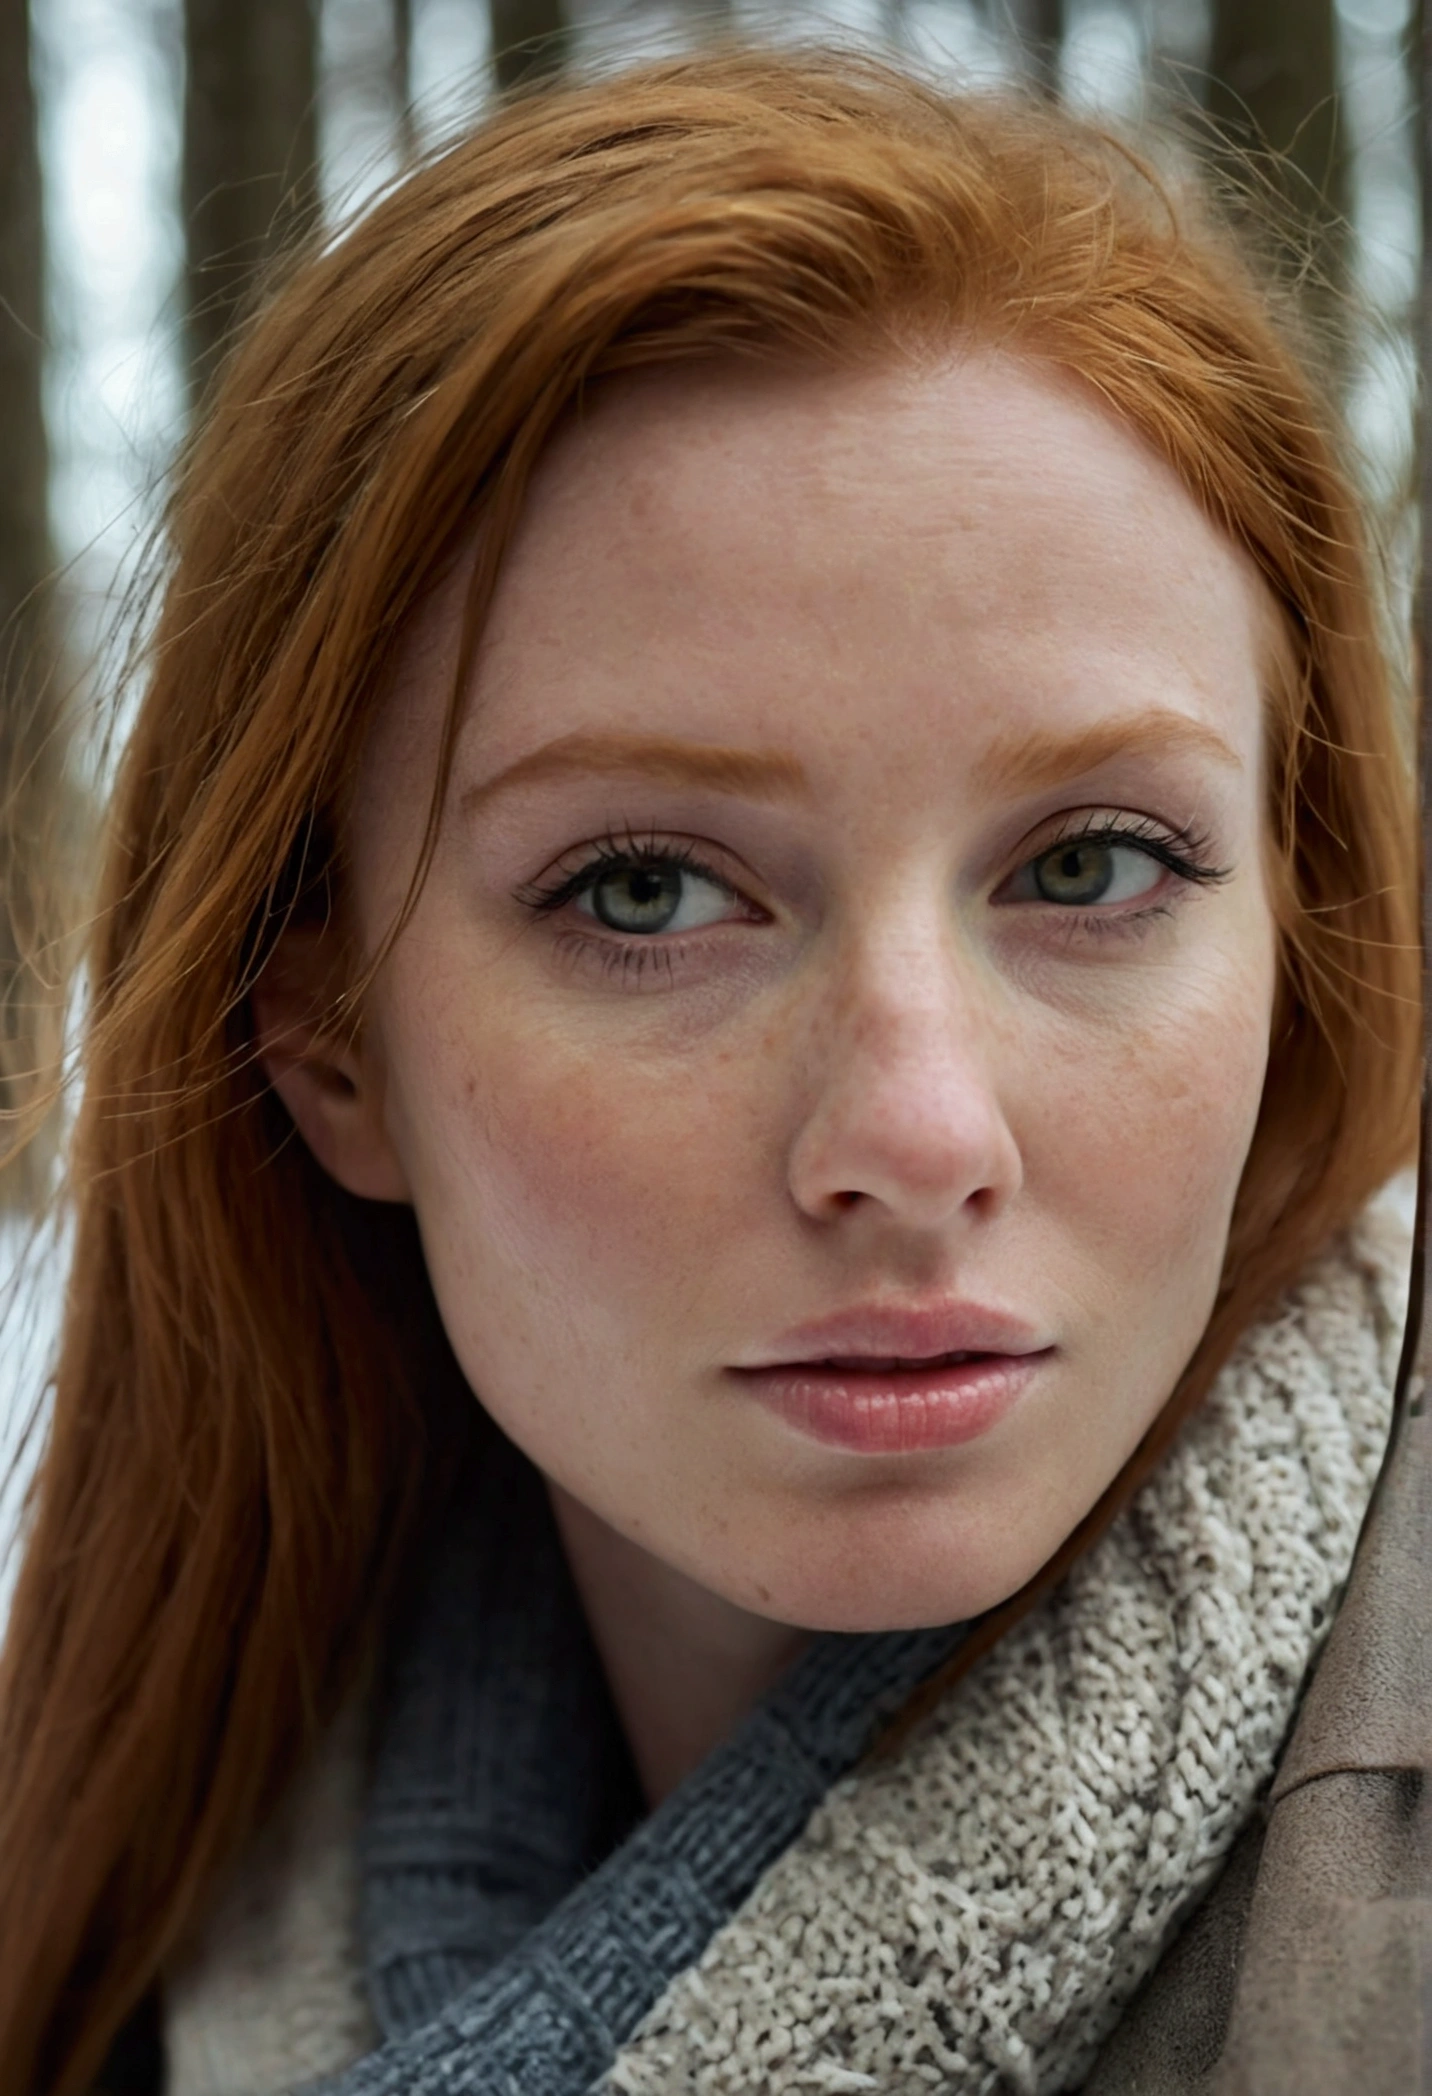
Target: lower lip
{"type": "Point", "coordinates": [896, 1411]}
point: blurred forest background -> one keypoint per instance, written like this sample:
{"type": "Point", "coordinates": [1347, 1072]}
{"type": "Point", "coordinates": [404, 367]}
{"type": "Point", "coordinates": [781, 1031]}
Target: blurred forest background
{"type": "Point", "coordinates": [154, 153]}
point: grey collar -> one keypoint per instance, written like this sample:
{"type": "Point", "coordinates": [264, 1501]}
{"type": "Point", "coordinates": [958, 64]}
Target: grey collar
{"type": "Point", "coordinates": [520, 1914]}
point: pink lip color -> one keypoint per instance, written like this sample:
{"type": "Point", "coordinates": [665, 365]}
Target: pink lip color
{"type": "Point", "coordinates": [872, 1379]}
{"type": "Point", "coordinates": [883, 1411]}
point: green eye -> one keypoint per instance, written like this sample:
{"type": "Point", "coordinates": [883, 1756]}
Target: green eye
{"type": "Point", "coordinates": [1076, 873]}
{"type": "Point", "coordinates": [1088, 871]}
{"type": "Point", "coordinates": [657, 895]}
{"type": "Point", "coordinates": [638, 898]}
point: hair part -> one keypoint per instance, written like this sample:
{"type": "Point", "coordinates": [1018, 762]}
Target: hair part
{"type": "Point", "coordinates": [251, 1375]}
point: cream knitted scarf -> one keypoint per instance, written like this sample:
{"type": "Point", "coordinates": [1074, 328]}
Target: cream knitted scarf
{"type": "Point", "coordinates": [973, 1914]}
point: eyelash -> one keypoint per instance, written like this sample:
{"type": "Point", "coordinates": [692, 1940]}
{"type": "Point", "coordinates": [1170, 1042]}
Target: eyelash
{"type": "Point", "coordinates": [1185, 853]}
{"type": "Point", "coordinates": [607, 853]}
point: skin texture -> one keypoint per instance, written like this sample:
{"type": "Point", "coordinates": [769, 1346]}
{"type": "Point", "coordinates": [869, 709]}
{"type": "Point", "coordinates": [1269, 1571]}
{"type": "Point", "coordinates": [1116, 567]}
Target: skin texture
{"type": "Point", "coordinates": [977, 616]}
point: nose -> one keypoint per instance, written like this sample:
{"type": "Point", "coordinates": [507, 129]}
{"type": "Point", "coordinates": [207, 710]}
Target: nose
{"type": "Point", "coordinates": [905, 1117]}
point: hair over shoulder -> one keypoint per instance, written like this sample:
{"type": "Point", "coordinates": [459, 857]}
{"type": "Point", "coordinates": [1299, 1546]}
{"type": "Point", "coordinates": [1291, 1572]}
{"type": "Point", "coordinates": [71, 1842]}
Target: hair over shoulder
{"type": "Point", "coordinates": [243, 1411]}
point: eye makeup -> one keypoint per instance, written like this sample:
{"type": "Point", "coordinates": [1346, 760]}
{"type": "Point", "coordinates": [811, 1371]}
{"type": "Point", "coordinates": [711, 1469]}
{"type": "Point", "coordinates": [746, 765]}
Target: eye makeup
{"type": "Point", "coordinates": [1098, 871]}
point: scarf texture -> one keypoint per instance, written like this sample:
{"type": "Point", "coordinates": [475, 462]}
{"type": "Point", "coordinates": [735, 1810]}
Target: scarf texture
{"type": "Point", "coordinates": [968, 1917]}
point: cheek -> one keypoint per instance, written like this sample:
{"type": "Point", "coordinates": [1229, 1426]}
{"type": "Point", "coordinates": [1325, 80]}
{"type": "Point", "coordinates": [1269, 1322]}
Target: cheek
{"type": "Point", "coordinates": [1147, 1149]}
{"type": "Point", "coordinates": [580, 1189]}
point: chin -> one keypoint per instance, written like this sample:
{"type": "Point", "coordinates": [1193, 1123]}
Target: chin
{"type": "Point", "coordinates": [911, 1574]}
{"type": "Point", "coordinates": [918, 1603]}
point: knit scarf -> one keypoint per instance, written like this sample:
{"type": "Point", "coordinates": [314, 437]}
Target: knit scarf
{"type": "Point", "coordinates": [972, 1914]}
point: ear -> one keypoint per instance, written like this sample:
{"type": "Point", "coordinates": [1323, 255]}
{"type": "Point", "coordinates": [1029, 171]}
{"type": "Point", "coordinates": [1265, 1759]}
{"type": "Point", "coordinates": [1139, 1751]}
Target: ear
{"type": "Point", "coordinates": [331, 1084]}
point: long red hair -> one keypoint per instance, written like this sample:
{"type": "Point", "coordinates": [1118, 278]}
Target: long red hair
{"type": "Point", "coordinates": [243, 1408]}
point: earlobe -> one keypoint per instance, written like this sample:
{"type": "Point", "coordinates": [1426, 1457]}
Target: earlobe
{"type": "Point", "coordinates": [332, 1088]}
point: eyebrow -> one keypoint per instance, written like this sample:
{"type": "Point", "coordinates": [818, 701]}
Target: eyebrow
{"type": "Point", "coordinates": [1021, 762]}
{"type": "Point", "coordinates": [1016, 763]}
{"type": "Point", "coordinates": [760, 776]}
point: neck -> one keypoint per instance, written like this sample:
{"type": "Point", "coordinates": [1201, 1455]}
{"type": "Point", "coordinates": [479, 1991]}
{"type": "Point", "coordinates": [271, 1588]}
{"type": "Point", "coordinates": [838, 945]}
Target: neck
{"type": "Point", "coordinates": [684, 1666]}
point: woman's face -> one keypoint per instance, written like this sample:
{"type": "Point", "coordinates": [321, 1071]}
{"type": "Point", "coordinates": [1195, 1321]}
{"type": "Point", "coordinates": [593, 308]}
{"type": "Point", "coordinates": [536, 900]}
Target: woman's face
{"type": "Point", "coordinates": [847, 948]}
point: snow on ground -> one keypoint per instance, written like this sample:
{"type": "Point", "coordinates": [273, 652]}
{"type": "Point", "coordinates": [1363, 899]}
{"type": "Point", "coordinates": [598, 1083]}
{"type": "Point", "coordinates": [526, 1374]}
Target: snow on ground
{"type": "Point", "coordinates": [31, 1285]}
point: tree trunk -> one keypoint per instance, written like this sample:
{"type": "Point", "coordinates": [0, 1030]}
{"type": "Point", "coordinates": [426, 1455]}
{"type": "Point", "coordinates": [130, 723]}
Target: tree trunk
{"type": "Point", "coordinates": [1039, 25]}
{"type": "Point", "coordinates": [530, 40]}
{"type": "Point", "coordinates": [1421, 58]}
{"type": "Point", "coordinates": [250, 143]}
{"type": "Point", "coordinates": [1273, 90]}
{"type": "Point", "coordinates": [403, 78]}
{"type": "Point", "coordinates": [35, 832]}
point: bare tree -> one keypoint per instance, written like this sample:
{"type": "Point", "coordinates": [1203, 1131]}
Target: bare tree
{"type": "Point", "coordinates": [403, 76]}
{"type": "Point", "coordinates": [1273, 92]}
{"type": "Point", "coordinates": [249, 154]}
{"type": "Point", "coordinates": [1039, 25]}
{"type": "Point", "coordinates": [530, 39]}
{"type": "Point", "coordinates": [33, 796]}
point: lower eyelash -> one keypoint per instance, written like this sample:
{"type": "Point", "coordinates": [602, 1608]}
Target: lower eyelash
{"type": "Point", "coordinates": [627, 962]}
{"type": "Point", "coordinates": [1189, 860]}
{"type": "Point", "coordinates": [1109, 924]}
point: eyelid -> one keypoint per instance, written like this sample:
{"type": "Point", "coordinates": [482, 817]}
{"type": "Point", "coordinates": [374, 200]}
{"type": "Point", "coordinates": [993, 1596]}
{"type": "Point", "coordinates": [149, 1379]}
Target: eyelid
{"type": "Point", "coordinates": [1185, 851]}
{"type": "Point", "coordinates": [1180, 848]}
{"type": "Point", "coordinates": [584, 900]}
{"type": "Point", "coordinates": [1134, 825]}
{"type": "Point", "coordinates": [546, 895]}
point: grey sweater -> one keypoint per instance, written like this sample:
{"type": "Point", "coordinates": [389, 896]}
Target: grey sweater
{"type": "Point", "coordinates": [979, 1909]}
{"type": "Point", "coordinates": [517, 1907]}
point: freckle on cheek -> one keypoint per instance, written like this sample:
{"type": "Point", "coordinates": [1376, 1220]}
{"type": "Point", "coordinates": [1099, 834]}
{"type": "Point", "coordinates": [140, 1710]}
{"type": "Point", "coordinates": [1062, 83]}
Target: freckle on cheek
{"type": "Point", "coordinates": [569, 1183]}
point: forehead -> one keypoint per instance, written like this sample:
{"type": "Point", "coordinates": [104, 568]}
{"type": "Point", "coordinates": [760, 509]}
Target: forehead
{"type": "Point", "coordinates": [858, 557]}
{"type": "Point", "coordinates": [767, 470]}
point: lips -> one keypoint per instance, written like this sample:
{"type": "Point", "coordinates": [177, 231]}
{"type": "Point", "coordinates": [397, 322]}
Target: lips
{"type": "Point", "coordinates": [873, 1336]}
{"type": "Point", "coordinates": [892, 1379]}
{"type": "Point", "coordinates": [869, 1364]}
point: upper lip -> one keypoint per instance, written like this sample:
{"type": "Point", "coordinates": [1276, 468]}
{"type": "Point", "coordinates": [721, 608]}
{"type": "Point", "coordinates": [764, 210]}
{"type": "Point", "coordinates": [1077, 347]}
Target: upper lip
{"type": "Point", "coordinates": [895, 1332]}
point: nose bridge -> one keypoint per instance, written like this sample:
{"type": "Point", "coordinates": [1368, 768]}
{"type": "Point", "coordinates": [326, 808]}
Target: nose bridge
{"type": "Point", "coordinates": [904, 993]}
{"type": "Point", "coordinates": [905, 1106]}
{"type": "Point", "coordinates": [913, 1025]}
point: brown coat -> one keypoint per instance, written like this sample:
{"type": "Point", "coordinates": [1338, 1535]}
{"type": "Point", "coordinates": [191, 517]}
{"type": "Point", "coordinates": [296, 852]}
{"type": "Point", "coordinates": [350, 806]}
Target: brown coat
{"type": "Point", "coordinates": [1308, 1969]}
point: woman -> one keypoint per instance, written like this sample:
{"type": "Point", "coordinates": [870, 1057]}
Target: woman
{"type": "Point", "coordinates": [757, 965]}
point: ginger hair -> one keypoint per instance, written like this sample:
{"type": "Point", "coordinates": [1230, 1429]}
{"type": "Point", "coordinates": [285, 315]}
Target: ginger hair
{"type": "Point", "coordinates": [243, 1425]}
